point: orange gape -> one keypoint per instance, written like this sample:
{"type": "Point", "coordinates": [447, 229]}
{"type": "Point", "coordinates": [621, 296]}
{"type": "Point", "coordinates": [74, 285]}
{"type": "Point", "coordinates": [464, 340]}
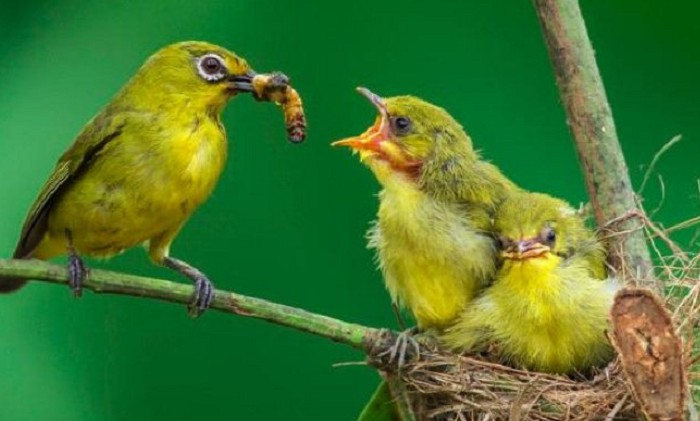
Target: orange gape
{"type": "Point", "coordinates": [275, 87]}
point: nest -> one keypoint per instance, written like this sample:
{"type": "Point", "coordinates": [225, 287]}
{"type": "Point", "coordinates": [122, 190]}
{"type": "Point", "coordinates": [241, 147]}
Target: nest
{"type": "Point", "coordinates": [646, 380]}
{"type": "Point", "coordinates": [465, 388]}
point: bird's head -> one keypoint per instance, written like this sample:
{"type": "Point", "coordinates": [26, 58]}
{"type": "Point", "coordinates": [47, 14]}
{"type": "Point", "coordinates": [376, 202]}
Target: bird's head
{"type": "Point", "coordinates": [408, 136]}
{"type": "Point", "coordinates": [539, 229]}
{"type": "Point", "coordinates": [192, 73]}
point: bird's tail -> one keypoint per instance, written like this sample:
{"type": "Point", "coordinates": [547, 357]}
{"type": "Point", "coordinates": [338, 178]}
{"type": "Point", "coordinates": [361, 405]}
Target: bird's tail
{"type": "Point", "coordinates": [8, 284]}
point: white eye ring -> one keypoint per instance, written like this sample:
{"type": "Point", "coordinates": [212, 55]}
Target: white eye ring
{"type": "Point", "coordinates": [211, 67]}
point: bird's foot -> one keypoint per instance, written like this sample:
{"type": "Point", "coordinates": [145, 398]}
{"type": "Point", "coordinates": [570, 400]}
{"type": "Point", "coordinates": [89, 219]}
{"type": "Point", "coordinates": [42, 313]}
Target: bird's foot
{"type": "Point", "coordinates": [405, 348]}
{"type": "Point", "coordinates": [202, 296]}
{"type": "Point", "coordinates": [77, 273]}
{"type": "Point", "coordinates": [203, 288]}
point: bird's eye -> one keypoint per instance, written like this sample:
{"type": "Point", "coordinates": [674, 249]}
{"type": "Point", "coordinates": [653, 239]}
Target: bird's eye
{"type": "Point", "coordinates": [549, 236]}
{"type": "Point", "coordinates": [402, 125]}
{"type": "Point", "coordinates": [211, 67]}
{"type": "Point", "coordinates": [501, 242]}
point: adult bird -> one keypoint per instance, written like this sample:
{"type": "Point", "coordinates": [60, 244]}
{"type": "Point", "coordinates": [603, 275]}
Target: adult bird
{"type": "Point", "coordinates": [547, 309]}
{"type": "Point", "coordinates": [140, 167]}
{"type": "Point", "coordinates": [432, 232]}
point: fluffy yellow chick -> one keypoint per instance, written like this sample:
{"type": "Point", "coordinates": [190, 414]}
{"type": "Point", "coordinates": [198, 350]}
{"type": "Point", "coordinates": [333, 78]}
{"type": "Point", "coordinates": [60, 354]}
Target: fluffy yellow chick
{"type": "Point", "coordinates": [432, 233]}
{"type": "Point", "coordinates": [547, 308]}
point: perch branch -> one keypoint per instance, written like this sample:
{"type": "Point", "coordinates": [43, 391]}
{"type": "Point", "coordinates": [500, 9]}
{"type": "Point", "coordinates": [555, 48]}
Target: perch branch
{"type": "Point", "coordinates": [591, 123]}
{"type": "Point", "coordinates": [100, 281]}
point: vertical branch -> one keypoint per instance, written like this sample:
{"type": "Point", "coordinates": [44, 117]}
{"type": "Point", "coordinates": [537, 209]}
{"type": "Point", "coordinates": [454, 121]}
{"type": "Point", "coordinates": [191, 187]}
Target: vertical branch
{"type": "Point", "coordinates": [591, 123]}
{"type": "Point", "coordinates": [610, 190]}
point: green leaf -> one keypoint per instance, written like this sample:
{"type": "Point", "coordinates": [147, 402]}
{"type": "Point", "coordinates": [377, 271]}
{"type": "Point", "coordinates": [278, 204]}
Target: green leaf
{"type": "Point", "coordinates": [381, 406]}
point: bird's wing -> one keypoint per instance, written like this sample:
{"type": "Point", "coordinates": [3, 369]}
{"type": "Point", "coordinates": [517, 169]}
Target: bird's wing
{"type": "Point", "coordinates": [86, 148]}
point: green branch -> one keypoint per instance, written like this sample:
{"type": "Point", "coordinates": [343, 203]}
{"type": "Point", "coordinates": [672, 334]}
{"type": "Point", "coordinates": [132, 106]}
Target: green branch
{"type": "Point", "coordinates": [100, 281]}
{"type": "Point", "coordinates": [371, 341]}
{"type": "Point", "coordinates": [591, 123]}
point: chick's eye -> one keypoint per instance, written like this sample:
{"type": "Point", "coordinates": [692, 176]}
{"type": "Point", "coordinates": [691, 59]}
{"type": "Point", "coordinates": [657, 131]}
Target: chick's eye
{"type": "Point", "coordinates": [501, 242]}
{"type": "Point", "coordinates": [549, 236]}
{"type": "Point", "coordinates": [402, 124]}
{"type": "Point", "coordinates": [211, 67]}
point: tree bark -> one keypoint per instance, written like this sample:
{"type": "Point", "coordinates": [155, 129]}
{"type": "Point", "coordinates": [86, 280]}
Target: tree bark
{"type": "Point", "coordinates": [591, 123]}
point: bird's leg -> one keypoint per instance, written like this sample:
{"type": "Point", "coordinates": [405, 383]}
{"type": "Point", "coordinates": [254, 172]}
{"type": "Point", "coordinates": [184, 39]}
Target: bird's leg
{"type": "Point", "coordinates": [203, 288]}
{"type": "Point", "coordinates": [77, 271]}
{"type": "Point", "coordinates": [397, 313]}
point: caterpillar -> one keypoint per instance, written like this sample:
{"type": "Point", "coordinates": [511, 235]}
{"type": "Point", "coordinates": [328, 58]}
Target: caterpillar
{"type": "Point", "coordinates": [275, 87]}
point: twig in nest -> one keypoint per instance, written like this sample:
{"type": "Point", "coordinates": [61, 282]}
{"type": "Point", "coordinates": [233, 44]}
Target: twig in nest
{"type": "Point", "coordinates": [616, 408]}
{"type": "Point", "coordinates": [662, 186]}
{"type": "Point", "coordinates": [657, 232]}
{"type": "Point", "coordinates": [683, 225]}
{"type": "Point", "coordinates": [675, 139]}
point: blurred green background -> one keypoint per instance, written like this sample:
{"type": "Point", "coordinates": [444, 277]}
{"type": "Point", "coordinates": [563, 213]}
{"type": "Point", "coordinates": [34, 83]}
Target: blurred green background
{"type": "Point", "coordinates": [286, 222]}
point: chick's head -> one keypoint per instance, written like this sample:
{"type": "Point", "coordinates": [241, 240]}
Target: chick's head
{"type": "Point", "coordinates": [408, 135]}
{"type": "Point", "coordinates": [533, 225]}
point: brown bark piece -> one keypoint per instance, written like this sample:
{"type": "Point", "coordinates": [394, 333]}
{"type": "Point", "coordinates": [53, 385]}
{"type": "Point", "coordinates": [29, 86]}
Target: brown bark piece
{"type": "Point", "coordinates": [651, 353]}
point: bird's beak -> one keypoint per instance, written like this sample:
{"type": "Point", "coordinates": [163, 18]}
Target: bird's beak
{"type": "Point", "coordinates": [376, 100]}
{"type": "Point", "coordinates": [371, 140]}
{"type": "Point", "coordinates": [525, 249]}
{"type": "Point", "coordinates": [242, 83]}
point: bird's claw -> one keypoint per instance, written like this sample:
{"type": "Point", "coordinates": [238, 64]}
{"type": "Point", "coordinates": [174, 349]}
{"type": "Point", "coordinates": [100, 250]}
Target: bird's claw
{"type": "Point", "coordinates": [77, 273]}
{"type": "Point", "coordinates": [202, 296]}
{"type": "Point", "coordinates": [400, 352]}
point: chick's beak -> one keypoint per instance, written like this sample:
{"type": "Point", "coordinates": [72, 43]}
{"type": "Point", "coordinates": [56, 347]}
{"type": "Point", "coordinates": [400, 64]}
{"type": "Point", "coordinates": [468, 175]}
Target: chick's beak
{"type": "Point", "coordinates": [376, 100]}
{"type": "Point", "coordinates": [241, 83]}
{"type": "Point", "coordinates": [372, 138]}
{"type": "Point", "coordinates": [524, 249]}
{"type": "Point", "coordinates": [369, 141]}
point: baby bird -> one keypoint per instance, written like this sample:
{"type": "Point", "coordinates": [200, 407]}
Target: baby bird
{"type": "Point", "coordinates": [432, 233]}
{"type": "Point", "coordinates": [548, 306]}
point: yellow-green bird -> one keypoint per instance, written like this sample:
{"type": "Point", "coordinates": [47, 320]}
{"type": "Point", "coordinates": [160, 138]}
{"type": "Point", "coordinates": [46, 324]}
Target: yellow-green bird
{"type": "Point", "coordinates": [140, 167]}
{"type": "Point", "coordinates": [433, 229]}
{"type": "Point", "coordinates": [548, 306]}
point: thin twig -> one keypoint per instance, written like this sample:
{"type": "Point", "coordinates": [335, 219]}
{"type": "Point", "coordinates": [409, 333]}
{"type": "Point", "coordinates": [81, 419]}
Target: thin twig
{"type": "Point", "coordinates": [684, 225]}
{"type": "Point", "coordinates": [101, 281]}
{"type": "Point", "coordinates": [616, 408]}
{"type": "Point", "coordinates": [675, 139]}
{"type": "Point", "coordinates": [662, 188]}
{"type": "Point", "coordinates": [655, 230]}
